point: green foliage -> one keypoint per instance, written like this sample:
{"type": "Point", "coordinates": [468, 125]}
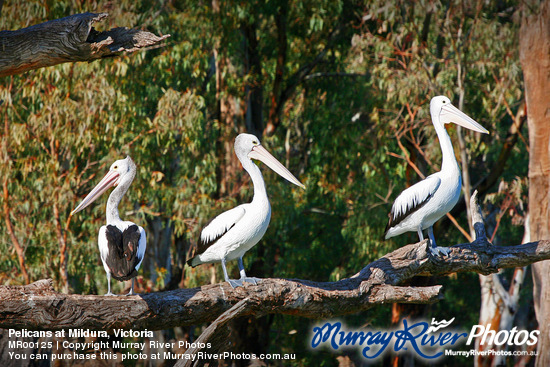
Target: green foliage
{"type": "Point", "coordinates": [177, 109]}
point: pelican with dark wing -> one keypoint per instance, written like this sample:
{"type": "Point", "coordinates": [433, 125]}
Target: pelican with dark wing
{"type": "Point", "coordinates": [421, 205]}
{"type": "Point", "coordinates": [231, 234]}
{"type": "Point", "coordinates": [121, 243]}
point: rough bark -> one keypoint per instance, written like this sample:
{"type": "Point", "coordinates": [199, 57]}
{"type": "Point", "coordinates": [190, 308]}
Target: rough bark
{"type": "Point", "coordinates": [535, 61]}
{"type": "Point", "coordinates": [217, 334]}
{"type": "Point", "coordinates": [68, 39]}
{"type": "Point", "coordinates": [38, 306]}
{"type": "Point", "coordinates": [499, 307]}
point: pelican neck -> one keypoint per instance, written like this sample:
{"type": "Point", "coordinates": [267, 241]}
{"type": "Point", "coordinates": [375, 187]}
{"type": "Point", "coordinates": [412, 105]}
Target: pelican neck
{"type": "Point", "coordinates": [449, 160]}
{"type": "Point", "coordinates": [115, 199]}
{"type": "Point", "coordinates": [260, 193]}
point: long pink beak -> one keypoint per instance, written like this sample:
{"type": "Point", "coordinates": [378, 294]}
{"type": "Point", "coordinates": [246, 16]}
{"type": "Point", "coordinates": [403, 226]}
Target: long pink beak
{"type": "Point", "coordinates": [450, 113]}
{"type": "Point", "coordinates": [261, 154]}
{"type": "Point", "coordinates": [110, 179]}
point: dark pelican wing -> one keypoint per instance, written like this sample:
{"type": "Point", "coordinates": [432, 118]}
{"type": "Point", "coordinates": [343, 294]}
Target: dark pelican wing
{"type": "Point", "coordinates": [123, 258]}
{"type": "Point", "coordinates": [215, 229]}
{"type": "Point", "coordinates": [412, 199]}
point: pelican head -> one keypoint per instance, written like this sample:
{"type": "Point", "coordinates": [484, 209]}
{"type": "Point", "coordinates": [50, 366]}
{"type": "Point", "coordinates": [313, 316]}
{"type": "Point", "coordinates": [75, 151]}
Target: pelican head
{"type": "Point", "coordinates": [443, 111]}
{"type": "Point", "coordinates": [248, 146]}
{"type": "Point", "coordinates": [123, 170]}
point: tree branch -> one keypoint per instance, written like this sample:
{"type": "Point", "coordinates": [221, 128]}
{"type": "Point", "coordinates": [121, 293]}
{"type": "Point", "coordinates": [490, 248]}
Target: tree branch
{"type": "Point", "coordinates": [39, 306]}
{"type": "Point", "coordinates": [498, 167]}
{"type": "Point", "coordinates": [9, 225]}
{"type": "Point", "coordinates": [299, 76]}
{"type": "Point", "coordinates": [215, 334]}
{"type": "Point", "coordinates": [68, 39]}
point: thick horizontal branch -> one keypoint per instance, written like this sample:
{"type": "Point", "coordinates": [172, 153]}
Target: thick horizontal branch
{"type": "Point", "coordinates": [478, 256]}
{"type": "Point", "coordinates": [39, 306]}
{"type": "Point", "coordinates": [68, 39]}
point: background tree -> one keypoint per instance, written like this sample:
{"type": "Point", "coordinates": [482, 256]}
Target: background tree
{"type": "Point", "coordinates": [535, 59]}
{"type": "Point", "coordinates": [339, 91]}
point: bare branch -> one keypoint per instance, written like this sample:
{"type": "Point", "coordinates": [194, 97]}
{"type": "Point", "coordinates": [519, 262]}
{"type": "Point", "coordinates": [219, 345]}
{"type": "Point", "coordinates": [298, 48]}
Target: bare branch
{"type": "Point", "coordinates": [38, 306]}
{"type": "Point", "coordinates": [68, 39]}
{"type": "Point", "coordinates": [477, 219]}
{"type": "Point", "coordinates": [215, 333]}
{"type": "Point", "coordinates": [9, 225]}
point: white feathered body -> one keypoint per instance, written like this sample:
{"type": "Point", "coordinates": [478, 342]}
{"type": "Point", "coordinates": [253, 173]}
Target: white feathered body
{"type": "Point", "coordinates": [435, 196]}
{"type": "Point", "coordinates": [240, 228]}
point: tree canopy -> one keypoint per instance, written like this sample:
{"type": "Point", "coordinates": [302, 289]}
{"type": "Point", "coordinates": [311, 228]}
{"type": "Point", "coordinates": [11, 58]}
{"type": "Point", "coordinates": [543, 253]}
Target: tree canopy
{"type": "Point", "coordinates": [337, 90]}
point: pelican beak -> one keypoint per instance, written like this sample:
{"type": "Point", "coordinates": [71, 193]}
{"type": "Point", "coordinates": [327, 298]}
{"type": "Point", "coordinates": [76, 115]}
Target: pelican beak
{"type": "Point", "coordinates": [450, 113]}
{"type": "Point", "coordinates": [110, 179]}
{"type": "Point", "coordinates": [260, 153]}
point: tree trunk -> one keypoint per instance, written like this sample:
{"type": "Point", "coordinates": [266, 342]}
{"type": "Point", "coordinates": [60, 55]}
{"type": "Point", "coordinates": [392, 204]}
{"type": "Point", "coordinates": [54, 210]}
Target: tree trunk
{"type": "Point", "coordinates": [254, 87]}
{"type": "Point", "coordinates": [535, 60]}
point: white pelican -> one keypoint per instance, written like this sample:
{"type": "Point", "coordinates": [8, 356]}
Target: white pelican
{"type": "Point", "coordinates": [121, 243]}
{"type": "Point", "coordinates": [421, 205]}
{"type": "Point", "coordinates": [231, 234]}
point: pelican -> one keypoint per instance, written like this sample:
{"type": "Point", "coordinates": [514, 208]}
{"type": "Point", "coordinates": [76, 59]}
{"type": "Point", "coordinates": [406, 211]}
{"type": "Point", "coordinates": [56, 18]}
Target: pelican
{"type": "Point", "coordinates": [421, 205]}
{"type": "Point", "coordinates": [231, 234]}
{"type": "Point", "coordinates": [121, 243]}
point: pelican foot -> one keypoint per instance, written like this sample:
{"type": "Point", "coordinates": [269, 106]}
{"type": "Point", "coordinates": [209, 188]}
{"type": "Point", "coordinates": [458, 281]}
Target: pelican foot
{"type": "Point", "coordinates": [234, 283]}
{"type": "Point", "coordinates": [252, 280]}
{"type": "Point", "coordinates": [109, 294]}
{"type": "Point", "coordinates": [439, 251]}
{"type": "Point", "coordinates": [131, 293]}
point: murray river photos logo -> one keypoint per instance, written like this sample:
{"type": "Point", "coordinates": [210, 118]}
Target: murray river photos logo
{"type": "Point", "coordinates": [428, 341]}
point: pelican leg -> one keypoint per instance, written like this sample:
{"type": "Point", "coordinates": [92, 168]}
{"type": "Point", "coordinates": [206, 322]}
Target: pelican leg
{"type": "Point", "coordinates": [131, 293]}
{"type": "Point", "coordinates": [234, 283]}
{"type": "Point", "coordinates": [420, 234]}
{"type": "Point", "coordinates": [434, 249]}
{"type": "Point", "coordinates": [109, 285]}
{"type": "Point", "coordinates": [431, 235]}
{"type": "Point", "coordinates": [244, 278]}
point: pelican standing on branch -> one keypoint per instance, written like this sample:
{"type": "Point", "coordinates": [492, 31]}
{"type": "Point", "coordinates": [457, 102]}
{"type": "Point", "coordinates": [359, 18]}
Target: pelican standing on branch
{"type": "Point", "coordinates": [231, 234]}
{"type": "Point", "coordinates": [121, 243]}
{"type": "Point", "coordinates": [421, 205]}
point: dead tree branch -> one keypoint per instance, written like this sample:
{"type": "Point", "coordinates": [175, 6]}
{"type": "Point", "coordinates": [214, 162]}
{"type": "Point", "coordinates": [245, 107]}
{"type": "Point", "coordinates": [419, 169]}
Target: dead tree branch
{"type": "Point", "coordinates": [39, 306]}
{"type": "Point", "coordinates": [68, 39]}
{"type": "Point", "coordinates": [216, 334]}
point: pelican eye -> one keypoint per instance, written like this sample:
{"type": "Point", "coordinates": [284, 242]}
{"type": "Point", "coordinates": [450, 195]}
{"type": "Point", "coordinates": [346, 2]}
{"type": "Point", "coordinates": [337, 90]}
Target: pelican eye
{"type": "Point", "coordinates": [115, 167]}
{"type": "Point", "coordinates": [255, 142]}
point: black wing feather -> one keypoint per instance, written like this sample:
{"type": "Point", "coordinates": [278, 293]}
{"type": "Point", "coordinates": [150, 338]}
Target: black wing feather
{"type": "Point", "coordinates": [123, 248]}
{"type": "Point", "coordinates": [395, 220]}
{"type": "Point", "coordinates": [202, 245]}
{"type": "Point", "coordinates": [215, 229]}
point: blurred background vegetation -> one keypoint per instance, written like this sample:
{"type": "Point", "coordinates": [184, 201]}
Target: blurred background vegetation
{"type": "Point", "coordinates": [337, 90]}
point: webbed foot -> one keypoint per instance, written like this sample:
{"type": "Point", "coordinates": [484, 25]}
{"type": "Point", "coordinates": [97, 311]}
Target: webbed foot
{"type": "Point", "coordinates": [439, 251]}
{"type": "Point", "coordinates": [252, 280]}
{"type": "Point", "coordinates": [234, 283]}
{"type": "Point", "coordinates": [110, 294]}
